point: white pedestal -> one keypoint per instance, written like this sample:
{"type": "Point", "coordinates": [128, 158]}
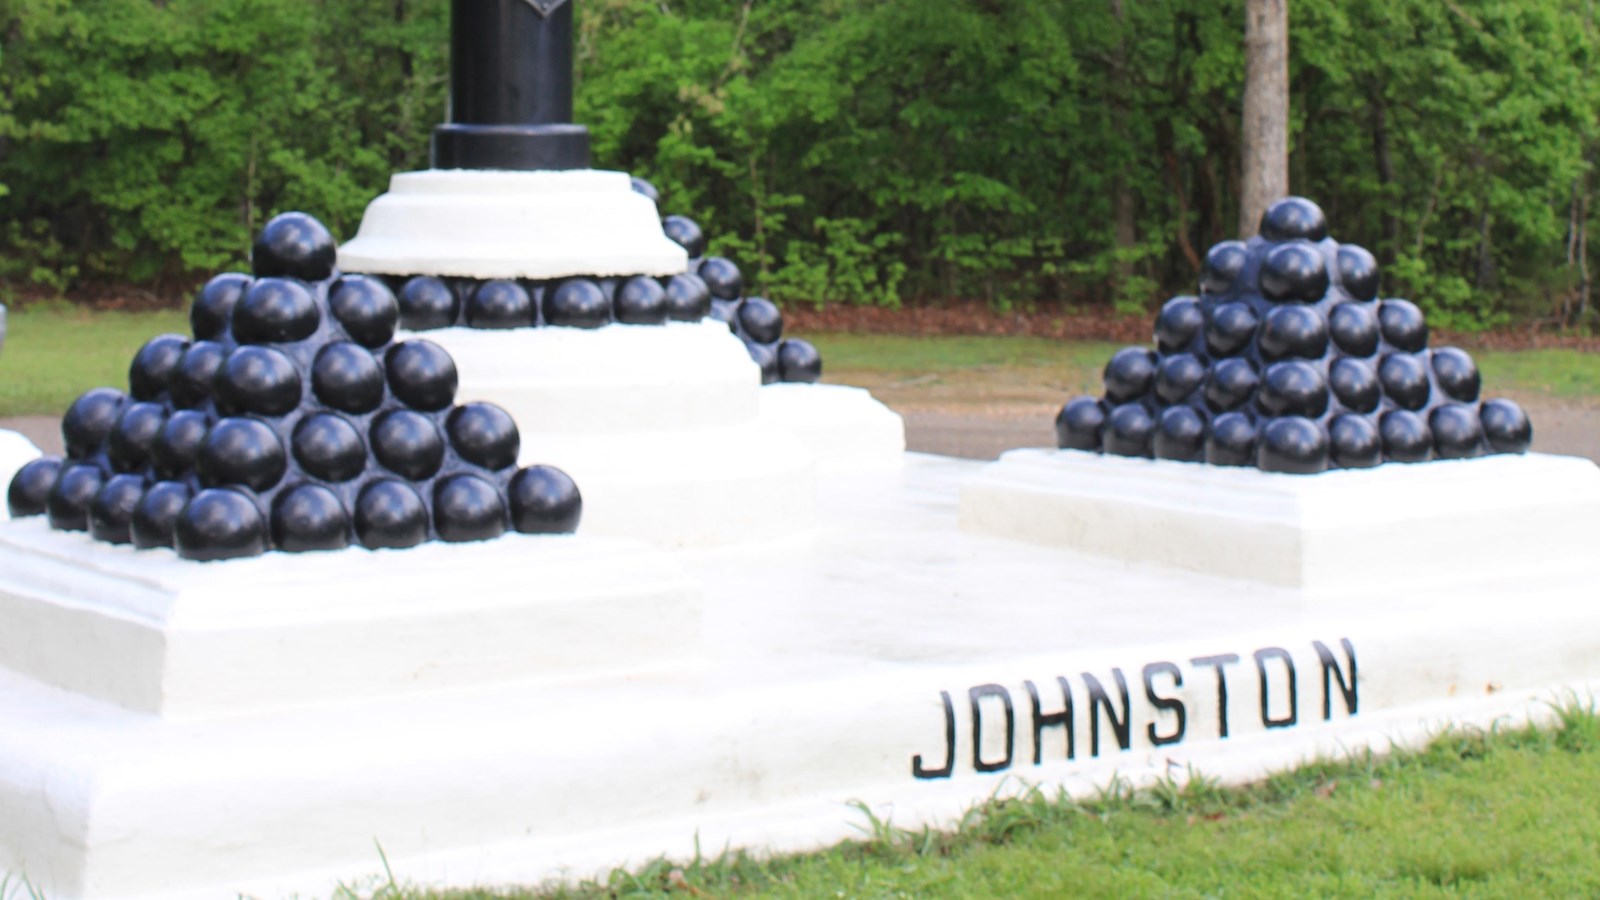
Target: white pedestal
{"type": "Point", "coordinates": [844, 428]}
{"type": "Point", "coordinates": [16, 451]}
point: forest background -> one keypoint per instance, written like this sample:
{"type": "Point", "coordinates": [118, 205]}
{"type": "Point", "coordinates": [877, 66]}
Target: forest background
{"type": "Point", "coordinates": [1075, 154]}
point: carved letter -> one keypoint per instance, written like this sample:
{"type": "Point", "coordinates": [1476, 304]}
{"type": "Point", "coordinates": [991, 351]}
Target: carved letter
{"type": "Point", "coordinates": [976, 694]}
{"type": "Point", "coordinates": [917, 771]}
{"type": "Point", "coordinates": [1041, 721]}
{"type": "Point", "coordinates": [1225, 659]}
{"type": "Point", "coordinates": [1169, 704]}
{"type": "Point", "coordinates": [1330, 670]}
{"type": "Point", "coordinates": [1098, 699]}
{"type": "Point", "coordinates": [1267, 721]}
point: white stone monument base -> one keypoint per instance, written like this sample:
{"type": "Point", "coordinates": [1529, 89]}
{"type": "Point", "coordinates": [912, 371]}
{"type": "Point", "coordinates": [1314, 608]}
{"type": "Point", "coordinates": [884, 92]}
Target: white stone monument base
{"type": "Point", "coordinates": [895, 660]}
{"type": "Point", "coordinates": [844, 428]}
{"type": "Point", "coordinates": [16, 451]}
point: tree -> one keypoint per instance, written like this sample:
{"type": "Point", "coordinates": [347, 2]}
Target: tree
{"type": "Point", "coordinates": [1264, 160]}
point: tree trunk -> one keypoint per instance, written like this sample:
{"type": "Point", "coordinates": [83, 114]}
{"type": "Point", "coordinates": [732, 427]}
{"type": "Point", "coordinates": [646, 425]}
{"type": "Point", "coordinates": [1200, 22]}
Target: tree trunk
{"type": "Point", "coordinates": [1264, 164]}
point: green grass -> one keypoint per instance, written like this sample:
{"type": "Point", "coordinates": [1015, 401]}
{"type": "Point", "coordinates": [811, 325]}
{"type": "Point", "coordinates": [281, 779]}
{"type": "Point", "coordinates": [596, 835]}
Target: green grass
{"type": "Point", "coordinates": [53, 354]}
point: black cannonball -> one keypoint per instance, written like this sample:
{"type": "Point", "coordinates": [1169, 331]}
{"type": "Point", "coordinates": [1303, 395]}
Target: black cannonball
{"type": "Point", "coordinates": [407, 443]}
{"type": "Point", "coordinates": [1181, 434]}
{"type": "Point", "coordinates": [132, 440]}
{"type": "Point", "coordinates": [1232, 441]}
{"type": "Point", "coordinates": [67, 504]}
{"type": "Point", "coordinates": [1406, 437]}
{"type": "Point", "coordinates": [1358, 272]}
{"type": "Point", "coordinates": [1293, 388]}
{"type": "Point", "coordinates": [640, 186]}
{"type": "Point", "coordinates": [156, 514]}
{"type": "Point", "coordinates": [427, 302]}
{"type": "Point", "coordinates": [191, 384]}
{"type": "Point", "coordinates": [1354, 442]}
{"type": "Point", "coordinates": [1231, 327]}
{"type": "Point", "coordinates": [1403, 325]}
{"type": "Point", "coordinates": [1130, 431]}
{"type": "Point", "coordinates": [255, 379]}
{"type": "Point", "coordinates": [544, 500]}
{"type": "Point", "coordinates": [1457, 432]}
{"type": "Point", "coordinates": [1292, 444]}
{"type": "Point", "coordinates": [274, 311]}
{"type": "Point", "coordinates": [211, 311]}
{"type": "Point", "coordinates": [1081, 424]}
{"type": "Point", "coordinates": [1130, 374]}
{"type": "Point", "coordinates": [329, 447]}
{"type": "Point", "coordinates": [422, 375]}
{"type": "Point", "coordinates": [111, 510]}
{"type": "Point", "coordinates": [220, 524]}
{"type": "Point", "coordinates": [686, 233]}
{"type": "Point", "coordinates": [1355, 384]}
{"type": "Point", "coordinates": [1404, 377]}
{"type": "Point", "coordinates": [294, 245]}
{"type": "Point", "coordinates": [390, 514]}
{"type": "Point", "coordinates": [1506, 426]}
{"type": "Point", "coordinates": [468, 508]}
{"type": "Point", "coordinates": [1294, 217]}
{"type": "Point", "coordinates": [1230, 384]}
{"type": "Point", "coordinates": [1457, 374]}
{"type": "Point", "coordinates": [243, 452]}
{"type": "Point", "coordinates": [761, 320]}
{"type": "Point", "coordinates": [366, 308]}
{"type": "Point", "coordinates": [766, 359]}
{"type": "Point", "coordinates": [722, 277]}
{"type": "Point", "coordinates": [89, 421]}
{"type": "Point", "coordinates": [154, 365]}
{"type": "Point", "coordinates": [1294, 271]}
{"type": "Point", "coordinates": [29, 492]}
{"type": "Point", "coordinates": [641, 301]}
{"type": "Point", "coordinates": [1178, 376]}
{"type": "Point", "coordinates": [309, 517]}
{"type": "Point", "coordinates": [347, 377]}
{"type": "Point", "coordinates": [1178, 322]}
{"type": "Point", "coordinates": [1224, 262]}
{"type": "Point", "coordinates": [799, 362]}
{"type": "Point", "coordinates": [1293, 331]}
{"type": "Point", "coordinates": [688, 298]}
{"type": "Point", "coordinates": [576, 303]}
{"type": "Point", "coordinates": [1354, 328]}
{"type": "Point", "coordinates": [483, 434]}
{"type": "Point", "coordinates": [500, 304]}
{"type": "Point", "coordinates": [175, 447]}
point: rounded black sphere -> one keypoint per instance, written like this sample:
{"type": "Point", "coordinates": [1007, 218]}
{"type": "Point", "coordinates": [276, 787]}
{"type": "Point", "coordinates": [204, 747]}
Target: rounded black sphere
{"type": "Point", "coordinates": [67, 505]}
{"type": "Point", "coordinates": [1404, 377]}
{"type": "Point", "coordinates": [1294, 217]}
{"type": "Point", "coordinates": [1457, 374]}
{"type": "Point", "coordinates": [346, 377]}
{"type": "Point", "coordinates": [191, 384]}
{"type": "Point", "coordinates": [212, 309]}
{"type": "Point", "coordinates": [483, 434]}
{"type": "Point", "coordinates": [1294, 271]}
{"type": "Point", "coordinates": [686, 233]}
{"type": "Point", "coordinates": [153, 367]}
{"type": "Point", "coordinates": [275, 311]}
{"type": "Point", "coordinates": [259, 380]}
{"type": "Point", "coordinates": [175, 448]}
{"type": "Point", "coordinates": [1224, 262]}
{"type": "Point", "coordinates": [1354, 328]}
{"type": "Point", "coordinates": [1178, 376]}
{"type": "Point", "coordinates": [1231, 327]}
{"type": "Point", "coordinates": [1292, 444]}
{"type": "Point", "coordinates": [1403, 325]}
{"type": "Point", "coordinates": [1457, 432]}
{"type": "Point", "coordinates": [1178, 322]}
{"type": "Point", "coordinates": [1081, 424]}
{"type": "Point", "coordinates": [1354, 442]}
{"type": "Point", "coordinates": [428, 302]}
{"type": "Point", "coordinates": [1506, 426]}
{"type": "Point", "coordinates": [688, 298]}
{"type": "Point", "coordinates": [500, 304]}
{"type": "Point", "coordinates": [1294, 331]}
{"type": "Point", "coordinates": [1232, 441]}
{"type": "Point", "coordinates": [294, 245]}
{"type": "Point", "coordinates": [156, 514]}
{"type": "Point", "coordinates": [1355, 384]}
{"type": "Point", "coordinates": [1229, 384]}
{"type": "Point", "coordinates": [640, 186]}
{"type": "Point", "coordinates": [309, 517]}
{"type": "Point", "coordinates": [544, 500]}
{"type": "Point", "coordinates": [1358, 272]}
{"type": "Point", "coordinates": [1406, 437]}
{"type": "Point", "coordinates": [1130, 431]}
{"type": "Point", "coordinates": [329, 447]}
{"type": "Point", "coordinates": [421, 374]}
{"type": "Point", "coordinates": [1181, 434]}
{"type": "Point", "coordinates": [766, 359]}
{"type": "Point", "coordinates": [242, 452]}
{"type": "Point", "coordinates": [220, 524]}
{"type": "Point", "coordinates": [29, 492]}
{"type": "Point", "coordinates": [578, 303]}
{"type": "Point", "coordinates": [468, 508]}
{"type": "Point", "coordinates": [111, 510]}
{"type": "Point", "coordinates": [722, 277]}
{"type": "Point", "coordinates": [1130, 374]}
{"type": "Point", "coordinates": [366, 308]}
{"type": "Point", "coordinates": [641, 301]}
{"type": "Point", "coordinates": [1294, 388]}
{"type": "Point", "coordinates": [799, 361]}
{"type": "Point", "coordinates": [390, 513]}
{"type": "Point", "coordinates": [408, 444]}
{"type": "Point", "coordinates": [132, 441]}
{"type": "Point", "coordinates": [89, 421]}
{"type": "Point", "coordinates": [761, 320]}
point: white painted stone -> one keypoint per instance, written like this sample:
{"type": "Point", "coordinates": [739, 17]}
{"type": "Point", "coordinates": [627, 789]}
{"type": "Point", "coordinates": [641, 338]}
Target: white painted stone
{"type": "Point", "coordinates": [844, 428]}
{"type": "Point", "coordinates": [500, 224]}
{"type": "Point", "coordinates": [16, 451]}
{"type": "Point", "coordinates": [1338, 532]}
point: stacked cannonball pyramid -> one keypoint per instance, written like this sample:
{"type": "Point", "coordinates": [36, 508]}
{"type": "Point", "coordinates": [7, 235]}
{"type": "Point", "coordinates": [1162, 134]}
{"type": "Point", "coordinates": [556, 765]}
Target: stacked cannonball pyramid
{"type": "Point", "coordinates": [291, 421]}
{"type": "Point", "coordinates": [1289, 362]}
{"type": "Point", "coordinates": [756, 320]}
